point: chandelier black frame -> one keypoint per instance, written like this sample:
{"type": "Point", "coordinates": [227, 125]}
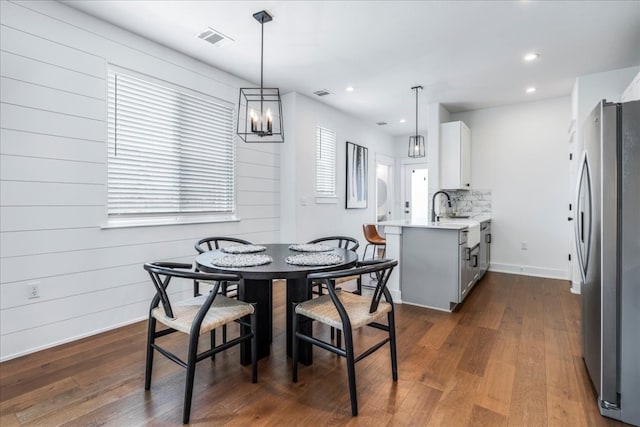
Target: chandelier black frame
{"type": "Point", "coordinates": [260, 109]}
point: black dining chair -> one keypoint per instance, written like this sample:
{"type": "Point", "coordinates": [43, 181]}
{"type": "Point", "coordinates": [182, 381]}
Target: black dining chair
{"type": "Point", "coordinates": [228, 289]}
{"type": "Point", "coordinates": [347, 312]}
{"type": "Point", "coordinates": [212, 244]}
{"type": "Point", "coordinates": [194, 317]}
{"type": "Point", "coordinates": [344, 242]}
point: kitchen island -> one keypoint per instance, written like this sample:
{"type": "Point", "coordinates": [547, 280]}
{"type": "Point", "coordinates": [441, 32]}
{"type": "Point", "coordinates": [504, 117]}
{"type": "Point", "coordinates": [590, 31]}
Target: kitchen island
{"type": "Point", "coordinates": [439, 262]}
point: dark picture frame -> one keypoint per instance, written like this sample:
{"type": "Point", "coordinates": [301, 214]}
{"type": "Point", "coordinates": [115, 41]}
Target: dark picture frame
{"type": "Point", "coordinates": [357, 176]}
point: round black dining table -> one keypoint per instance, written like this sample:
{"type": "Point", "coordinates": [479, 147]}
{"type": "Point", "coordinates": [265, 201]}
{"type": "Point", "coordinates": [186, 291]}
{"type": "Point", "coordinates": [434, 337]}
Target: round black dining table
{"type": "Point", "coordinates": [256, 287]}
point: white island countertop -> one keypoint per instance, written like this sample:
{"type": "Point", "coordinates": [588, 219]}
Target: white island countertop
{"type": "Point", "coordinates": [444, 223]}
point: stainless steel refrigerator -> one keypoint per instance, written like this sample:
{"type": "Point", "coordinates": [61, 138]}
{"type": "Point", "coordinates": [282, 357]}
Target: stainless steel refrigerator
{"type": "Point", "coordinates": [608, 249]}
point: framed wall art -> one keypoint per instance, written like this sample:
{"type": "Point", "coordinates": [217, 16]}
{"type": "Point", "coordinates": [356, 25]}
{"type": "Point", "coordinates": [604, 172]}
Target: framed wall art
{"type": "Point", "coordinates": [357, 173]}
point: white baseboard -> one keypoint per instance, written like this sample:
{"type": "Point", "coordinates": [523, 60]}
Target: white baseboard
{"type": "Point", "coordinates": [70, 339]}
{"type": "Point", "coordinates": [425, 306]}
{"type": "Point", "coordinates": [549, 273]}
{"type": "Point", "coordinates": [575, 287]}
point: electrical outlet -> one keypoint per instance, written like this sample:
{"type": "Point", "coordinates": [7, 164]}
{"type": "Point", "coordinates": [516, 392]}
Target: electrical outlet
{"type": "Point", "coordinates": [523, 246]}
{"type": "Point", "coordinates": [33, 290]}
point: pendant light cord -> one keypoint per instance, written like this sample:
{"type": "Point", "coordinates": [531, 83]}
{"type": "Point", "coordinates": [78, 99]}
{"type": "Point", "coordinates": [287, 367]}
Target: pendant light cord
{"type": "Point", "coordinates": [416, 113]}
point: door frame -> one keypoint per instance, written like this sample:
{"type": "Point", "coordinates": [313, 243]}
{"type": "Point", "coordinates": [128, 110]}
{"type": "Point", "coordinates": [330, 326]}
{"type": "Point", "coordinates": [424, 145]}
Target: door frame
{"type": "Point", "coordinates": [389, 161]}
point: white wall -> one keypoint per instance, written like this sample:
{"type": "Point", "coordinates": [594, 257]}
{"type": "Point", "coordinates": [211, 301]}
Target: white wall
{"type": "Point", "coordinates": [593, 88]}
{"type": "Point", "coordinates": [519, 152]}
{"type": "Point", "coordinates": [53, 185]}
{"type": "Point", "coordinates": [311, 219]}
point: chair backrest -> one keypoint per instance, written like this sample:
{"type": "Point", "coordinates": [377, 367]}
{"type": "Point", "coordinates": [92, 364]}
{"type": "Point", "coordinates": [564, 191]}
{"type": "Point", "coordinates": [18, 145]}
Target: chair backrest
{"type": "Point", "coordinates": [212, 243]}
{"type": "Point", "coordinates": [162, 272]}
{"type": "Point", "coordinates": [371, 234]}
{"type": "Point", "coordinates": [382, 269]}
{"type": "Point", "coordinates": [339, 241]}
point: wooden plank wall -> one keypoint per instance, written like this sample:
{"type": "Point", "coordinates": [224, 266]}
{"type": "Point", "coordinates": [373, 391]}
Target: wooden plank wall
{"type": "Point", "coordinates": [53, 178]}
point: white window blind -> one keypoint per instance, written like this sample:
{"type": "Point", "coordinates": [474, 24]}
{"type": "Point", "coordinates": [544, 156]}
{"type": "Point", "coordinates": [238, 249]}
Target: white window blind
{"type": "Point", "coordinates": [171, 150]}
{"type": "Point", "coordinates": [325, 162]}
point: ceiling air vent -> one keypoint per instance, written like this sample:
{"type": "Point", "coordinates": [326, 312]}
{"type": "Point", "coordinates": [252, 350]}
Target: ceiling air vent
{"type": "Point", "coordinates": [322, 92]}
{"type": "Point", "coordinates": [381, 123]}
{"type": "Point", "coordinates": [214, 37]}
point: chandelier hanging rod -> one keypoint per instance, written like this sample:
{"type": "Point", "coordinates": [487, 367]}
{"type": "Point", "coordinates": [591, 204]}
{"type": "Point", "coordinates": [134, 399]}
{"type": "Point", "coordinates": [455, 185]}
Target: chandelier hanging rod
{"type": "Point", "coordinates": [262, 17]}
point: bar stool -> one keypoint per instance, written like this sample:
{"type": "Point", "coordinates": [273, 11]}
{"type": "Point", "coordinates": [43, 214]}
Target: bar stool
{"type": "Point", "coordinates": [373, 239]}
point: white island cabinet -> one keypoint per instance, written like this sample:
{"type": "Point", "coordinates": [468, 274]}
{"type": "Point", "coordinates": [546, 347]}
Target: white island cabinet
{"type": "Point", "coordinates": [437, 267]}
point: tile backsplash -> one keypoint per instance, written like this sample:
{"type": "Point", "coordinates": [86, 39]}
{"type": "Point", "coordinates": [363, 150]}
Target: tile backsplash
{"type": "Point", "coordinates": [468, 202]}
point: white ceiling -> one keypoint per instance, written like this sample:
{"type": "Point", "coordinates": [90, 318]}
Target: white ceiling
{"type": "Point", "coordinates": [466, 54]}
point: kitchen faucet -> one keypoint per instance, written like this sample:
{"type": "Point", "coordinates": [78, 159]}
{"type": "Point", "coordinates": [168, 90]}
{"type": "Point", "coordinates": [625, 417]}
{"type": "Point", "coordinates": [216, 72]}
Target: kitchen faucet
{"type": "Point", "coordinates": [433, 204]}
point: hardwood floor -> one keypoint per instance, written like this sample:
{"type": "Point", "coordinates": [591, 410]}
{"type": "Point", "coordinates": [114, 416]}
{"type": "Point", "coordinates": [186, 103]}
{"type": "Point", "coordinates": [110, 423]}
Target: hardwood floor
{"type": "Point", "coordinates": [509, 356]}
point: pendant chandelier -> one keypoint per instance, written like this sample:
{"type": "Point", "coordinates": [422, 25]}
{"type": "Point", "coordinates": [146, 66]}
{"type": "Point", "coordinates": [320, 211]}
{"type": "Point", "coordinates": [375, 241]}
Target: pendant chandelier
{"type": "Point", "coordinates": [260, 109]}
{"type": "Point", "coordinates": [416, 142]}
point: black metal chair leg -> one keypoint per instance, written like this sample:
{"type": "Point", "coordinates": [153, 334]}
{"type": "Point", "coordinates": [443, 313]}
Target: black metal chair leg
{"type": "Point", "coordinates": [212, 334]}
{"type": "Point", "coordinates": [191, 371]}
{"type": "Point", "coordinates": [339, 338]}
{"type": "Point", "coordinates": [351, 371]}
{"type": "Point", "coordinates": [294, 346]}
{"type": "Point", "coordinates": [151, 336]}
{"type": "Point", "coordinates": [392, 345]}
{"type": "Point", "coordinates": [196, 288]}
{"type": "Point", "coordinates": [254, 347]}
{"type": "Point", "coordinates": [224, 286]}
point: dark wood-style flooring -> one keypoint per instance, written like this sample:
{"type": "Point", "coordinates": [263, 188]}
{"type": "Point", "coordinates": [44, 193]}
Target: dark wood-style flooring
{"type": "Point", "coordinates": [509, 356]}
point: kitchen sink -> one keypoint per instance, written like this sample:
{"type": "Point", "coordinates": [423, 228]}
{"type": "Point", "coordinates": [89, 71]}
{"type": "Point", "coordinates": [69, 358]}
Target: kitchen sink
{"type": "Point", "coordinates": [474, 228]}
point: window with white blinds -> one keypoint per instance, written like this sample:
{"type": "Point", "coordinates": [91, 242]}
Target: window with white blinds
{"type": "Point", "coordinates": [171, 150]}
{"type": "Point", "coordinates": [325, 162]}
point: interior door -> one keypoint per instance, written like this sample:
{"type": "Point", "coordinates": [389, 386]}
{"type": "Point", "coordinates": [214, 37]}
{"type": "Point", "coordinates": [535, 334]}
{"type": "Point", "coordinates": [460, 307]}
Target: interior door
{"type": "Point", "coordinates": [416, 192]}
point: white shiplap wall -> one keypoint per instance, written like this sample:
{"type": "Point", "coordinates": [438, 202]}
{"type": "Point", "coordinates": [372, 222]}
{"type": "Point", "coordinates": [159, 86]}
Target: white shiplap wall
{"type": "Point", "coordinates": [53, 178]}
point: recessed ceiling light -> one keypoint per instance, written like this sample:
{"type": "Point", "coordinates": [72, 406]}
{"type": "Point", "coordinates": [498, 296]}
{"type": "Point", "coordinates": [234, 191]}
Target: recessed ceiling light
{"type": "Point", "coordinates": [531, 89]}
{"type": "Point", "coordinates": [531, 56]}
{"type": "Point", "coordinates": [349, 89]}
{"type": "Point", "coordinates": [402, 120]}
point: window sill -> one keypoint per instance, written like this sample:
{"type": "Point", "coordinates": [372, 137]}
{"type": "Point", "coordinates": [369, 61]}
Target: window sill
{"type": "Point", "coordinates": [161, 221]}
{"type": "Point", "coordinates": [326, 200]}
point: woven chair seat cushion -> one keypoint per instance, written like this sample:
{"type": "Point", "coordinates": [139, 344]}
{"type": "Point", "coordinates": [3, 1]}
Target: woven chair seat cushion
{"type": "Point", "coordinates": [223, 310]}
{"type": "Point", "coordinates": [323, 310]}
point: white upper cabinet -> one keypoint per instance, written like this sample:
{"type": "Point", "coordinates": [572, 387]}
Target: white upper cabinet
{"type": "Point", "coordinates": [455, 156]}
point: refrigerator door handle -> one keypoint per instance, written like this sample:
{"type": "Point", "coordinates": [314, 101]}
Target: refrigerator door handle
{"type": "Point", "coordinates": [583, 205]}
